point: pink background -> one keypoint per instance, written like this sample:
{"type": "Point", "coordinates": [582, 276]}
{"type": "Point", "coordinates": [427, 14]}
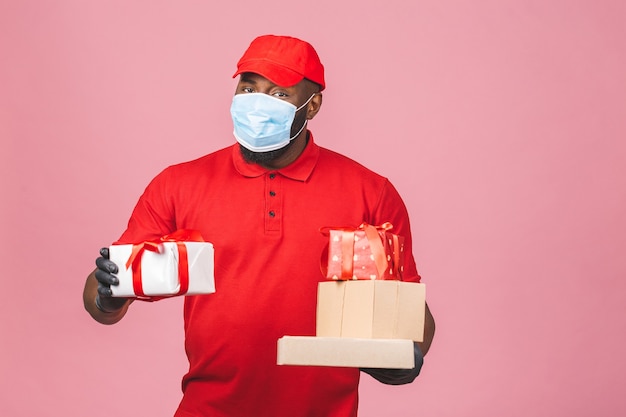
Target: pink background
{"type": "Point", "coordinates": [502, 123]}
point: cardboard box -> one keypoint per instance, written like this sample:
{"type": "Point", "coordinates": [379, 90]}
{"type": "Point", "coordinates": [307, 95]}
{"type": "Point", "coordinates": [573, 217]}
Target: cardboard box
{"type": "Point", "coordinates": [375, 309]}
{"type": "Point", "coordinates": [345, 352]}
{"type": "Point", "coordinates": [160, 270]}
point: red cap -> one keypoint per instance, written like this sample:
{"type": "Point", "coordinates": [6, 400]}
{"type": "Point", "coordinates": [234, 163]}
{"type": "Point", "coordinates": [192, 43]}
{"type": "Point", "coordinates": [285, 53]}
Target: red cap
{"type": "Point", "coordinates": [283, 60]}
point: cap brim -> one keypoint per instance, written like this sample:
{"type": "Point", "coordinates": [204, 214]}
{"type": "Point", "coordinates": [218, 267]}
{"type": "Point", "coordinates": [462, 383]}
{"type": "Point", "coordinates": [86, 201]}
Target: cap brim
{"type": "Point", "coordinates": [277, 74]}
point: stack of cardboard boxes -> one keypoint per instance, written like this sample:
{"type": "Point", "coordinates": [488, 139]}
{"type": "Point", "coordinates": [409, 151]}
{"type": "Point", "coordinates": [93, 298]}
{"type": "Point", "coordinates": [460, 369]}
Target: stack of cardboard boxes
{"type": "Point", "coordinates": [365, 323]}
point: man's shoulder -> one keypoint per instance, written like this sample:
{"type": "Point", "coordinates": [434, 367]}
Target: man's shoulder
{"type": "Point", "coordinates": [203, 162]}
{"type": "Point", "coordinates": [330, 158]}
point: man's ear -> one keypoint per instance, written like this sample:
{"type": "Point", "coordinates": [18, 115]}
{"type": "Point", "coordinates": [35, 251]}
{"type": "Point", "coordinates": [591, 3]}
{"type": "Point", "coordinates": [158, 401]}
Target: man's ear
{"type": "Point", "coordinates": [314, 106]}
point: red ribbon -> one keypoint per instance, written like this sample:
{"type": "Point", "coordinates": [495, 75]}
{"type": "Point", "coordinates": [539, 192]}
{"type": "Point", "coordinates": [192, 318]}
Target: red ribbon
{"type": "Point", "coordinates": [397, 253]}
{"type": "Point", "coordinates": [179, 236]}
{"type": "Point", "coordinates": [376, 246]}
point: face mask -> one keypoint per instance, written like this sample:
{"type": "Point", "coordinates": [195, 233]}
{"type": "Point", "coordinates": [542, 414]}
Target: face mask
{"type": "Point", "coordinates": [262, 122]}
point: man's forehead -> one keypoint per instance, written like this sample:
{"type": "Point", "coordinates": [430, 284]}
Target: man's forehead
{"type": "Point", "coordinates": [254, 78]}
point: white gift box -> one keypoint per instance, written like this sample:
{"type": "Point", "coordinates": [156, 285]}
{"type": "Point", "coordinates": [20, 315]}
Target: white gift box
{"type": "Point", "coordinates": [160, 270]}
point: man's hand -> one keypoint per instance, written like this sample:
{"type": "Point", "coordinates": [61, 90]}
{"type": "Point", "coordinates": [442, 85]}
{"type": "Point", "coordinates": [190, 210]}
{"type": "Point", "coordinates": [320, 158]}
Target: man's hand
{"type": "Point", "coordinates": [104, 274]}
{"type": "Point", "coordinates": [398, 376]}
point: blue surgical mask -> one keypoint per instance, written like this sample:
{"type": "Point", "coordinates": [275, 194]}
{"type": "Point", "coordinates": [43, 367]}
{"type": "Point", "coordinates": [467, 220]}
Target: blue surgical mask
{"type": "Point", "coordinates": [263, 122]}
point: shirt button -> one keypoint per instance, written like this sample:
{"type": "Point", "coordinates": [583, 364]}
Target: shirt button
{"type": "Point", "coordinates": [272, 176]}
{"type": "Point", "coordinates": [272, 193]}
{"type": "Point", "coordinates": [272, 214]}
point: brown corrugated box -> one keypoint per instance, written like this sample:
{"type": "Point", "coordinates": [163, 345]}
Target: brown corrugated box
{"type": "Point", "coordinates": [345, 352]}
{"type": "Point", "coordinates": [367, 324]}
{"type": "Point", "coordinates": [371, 309]}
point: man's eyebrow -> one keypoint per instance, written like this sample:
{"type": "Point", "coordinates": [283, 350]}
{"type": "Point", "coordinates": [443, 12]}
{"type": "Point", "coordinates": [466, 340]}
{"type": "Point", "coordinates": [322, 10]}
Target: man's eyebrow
{"type": "Point", "coordinates": [247, 77]}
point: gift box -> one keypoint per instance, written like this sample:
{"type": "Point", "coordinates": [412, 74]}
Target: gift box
{"type": "Point", "coordinates": [371, 309]}
{"type": "Point", "coordinates": [345, 352]}
{"type": "Point", "coordinates": [364, 253]}
{"type": "Point", "coordinates": [176, 264]}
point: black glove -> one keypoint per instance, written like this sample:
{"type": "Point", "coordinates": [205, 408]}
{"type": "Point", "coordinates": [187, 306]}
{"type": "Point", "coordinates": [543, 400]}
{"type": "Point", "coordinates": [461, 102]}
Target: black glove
{"type": "Point", "coordinates": [398, 376]}
{"type": "Point", "coordinates": [105, 277]}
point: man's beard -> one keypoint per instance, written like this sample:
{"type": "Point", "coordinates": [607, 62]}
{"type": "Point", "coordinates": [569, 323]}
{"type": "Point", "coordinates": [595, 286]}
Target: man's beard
{"type": "Point", "coordinates": [265, 158]}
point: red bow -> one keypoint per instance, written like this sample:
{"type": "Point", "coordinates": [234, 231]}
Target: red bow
{"type": "Point", "coordinates": [179, 236]}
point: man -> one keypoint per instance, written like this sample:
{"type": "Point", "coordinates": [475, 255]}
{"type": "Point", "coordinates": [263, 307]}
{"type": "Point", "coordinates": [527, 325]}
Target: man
{"type": "Point", "coordinates": [261, 203]}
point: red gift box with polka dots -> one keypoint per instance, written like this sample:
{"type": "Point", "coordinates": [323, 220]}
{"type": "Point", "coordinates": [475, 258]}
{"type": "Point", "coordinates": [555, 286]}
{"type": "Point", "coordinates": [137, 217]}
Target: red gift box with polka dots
{"type": "Point", "coordinates": [363, 253]}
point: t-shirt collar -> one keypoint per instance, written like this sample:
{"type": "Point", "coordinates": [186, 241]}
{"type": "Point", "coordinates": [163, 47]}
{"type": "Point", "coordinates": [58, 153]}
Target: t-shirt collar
{"type": "Point", "coordinates": [299, 170]}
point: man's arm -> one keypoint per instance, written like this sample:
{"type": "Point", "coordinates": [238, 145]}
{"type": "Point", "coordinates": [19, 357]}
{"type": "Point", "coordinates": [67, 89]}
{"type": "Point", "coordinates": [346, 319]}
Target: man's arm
{"type": "Point", "coordinates": [429, 332]}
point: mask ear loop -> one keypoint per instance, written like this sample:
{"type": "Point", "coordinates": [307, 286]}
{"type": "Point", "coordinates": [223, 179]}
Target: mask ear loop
{"type": "Point", "coordinates": [299, 131]}
{"type": "Point", "coordinates": [307, 102]}
{"type": "Point", "coordinates": [306, 121]}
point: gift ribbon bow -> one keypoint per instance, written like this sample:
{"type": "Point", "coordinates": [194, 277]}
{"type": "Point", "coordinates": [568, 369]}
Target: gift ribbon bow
{"type": "Point", "coordinates": [179, 236]}
{"type": "Point", "coordinates": [376, 247]}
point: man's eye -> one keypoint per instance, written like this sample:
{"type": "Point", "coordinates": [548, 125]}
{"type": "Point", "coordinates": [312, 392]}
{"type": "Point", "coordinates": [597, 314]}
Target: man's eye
{"type": "Point", "coordinates": [247, 90]}
{"type": "Point", "coordinates": [280, 94]}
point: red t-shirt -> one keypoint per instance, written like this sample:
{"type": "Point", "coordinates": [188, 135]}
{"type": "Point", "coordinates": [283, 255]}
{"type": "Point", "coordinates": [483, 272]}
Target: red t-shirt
{"type": "Point", "coordinates": [264, 226]}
